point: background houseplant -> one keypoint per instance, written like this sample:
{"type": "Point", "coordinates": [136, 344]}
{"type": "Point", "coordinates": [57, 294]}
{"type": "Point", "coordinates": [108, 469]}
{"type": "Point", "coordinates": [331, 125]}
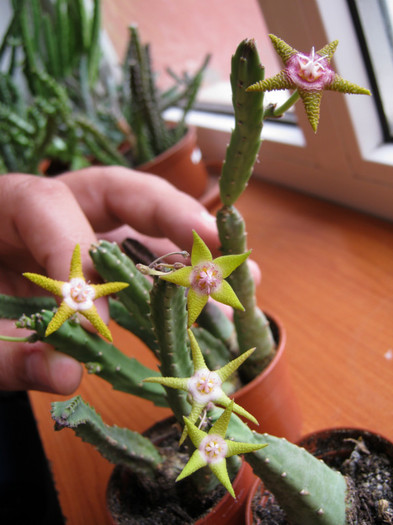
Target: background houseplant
{"type": "Point", "coordinates": [102, 107]}
{"type": "Point", "coordinates": [270, 463]}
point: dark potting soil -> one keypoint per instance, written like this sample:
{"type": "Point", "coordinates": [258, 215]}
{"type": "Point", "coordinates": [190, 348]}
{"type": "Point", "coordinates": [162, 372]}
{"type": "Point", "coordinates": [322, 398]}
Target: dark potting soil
{"type": "Point", "coordinates": [370, 478]}
{"type": "Point", "coordinates": [136, 501]}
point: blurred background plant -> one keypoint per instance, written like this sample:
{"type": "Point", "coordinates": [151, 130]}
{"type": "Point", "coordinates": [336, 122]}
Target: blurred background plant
{"type": "Point", "coordinates": [64, 97]}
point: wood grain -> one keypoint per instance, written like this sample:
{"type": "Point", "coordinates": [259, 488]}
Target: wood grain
{"type": "Point", "coordinates": [328, 274]}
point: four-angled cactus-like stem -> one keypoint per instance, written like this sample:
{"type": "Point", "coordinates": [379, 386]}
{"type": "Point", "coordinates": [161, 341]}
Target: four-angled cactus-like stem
{"type": "Point", "coordinates": [252, 326]}
{"type": "Point", "coordinates": [309, 491]}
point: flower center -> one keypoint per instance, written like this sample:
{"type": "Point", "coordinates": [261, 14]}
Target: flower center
{"type": "Point", "coordinates": [206, 278]}
{"type": "Point", "coordinates": [213, 448]}
{"type": "Point", "coordinates": [311, 67]}
{"type": "Point", "coordinates": [80, 292]}
{"type": "Point", "coordinates": [205, 386]}
{"type": "Point", "coordinates": [206, 382]}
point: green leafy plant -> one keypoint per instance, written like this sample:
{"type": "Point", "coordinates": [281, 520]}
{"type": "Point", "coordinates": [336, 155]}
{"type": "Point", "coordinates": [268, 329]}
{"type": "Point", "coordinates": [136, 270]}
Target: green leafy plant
{"type": "Point", "coordinates": [190, 380]}
{"type": "Point", "coordinates": [143, 104]}
{"type": "Point", "coordinates": [57, 47]}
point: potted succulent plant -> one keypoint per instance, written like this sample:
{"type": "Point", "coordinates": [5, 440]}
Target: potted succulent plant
{"type": "Point", "coordinates": [192, 381]}
{"type": "Point", "coordinates": [103, 114]}
{"type": "Point", "coordinates": [153, 145]}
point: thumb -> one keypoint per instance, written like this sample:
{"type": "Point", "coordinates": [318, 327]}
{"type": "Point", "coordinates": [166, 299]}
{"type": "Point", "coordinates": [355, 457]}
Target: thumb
{"type": "Point", "coordinates": [36, 366]}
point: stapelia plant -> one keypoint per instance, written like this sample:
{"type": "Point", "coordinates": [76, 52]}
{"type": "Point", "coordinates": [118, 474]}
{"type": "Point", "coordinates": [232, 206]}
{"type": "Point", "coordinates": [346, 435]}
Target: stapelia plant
{"type": "Point", "coordinates": [160, 314]}
{"type": "Point", "coordinates": [203, 385]}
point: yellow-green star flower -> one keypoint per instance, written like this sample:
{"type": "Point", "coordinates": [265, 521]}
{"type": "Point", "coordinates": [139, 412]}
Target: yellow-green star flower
{"type": "Point", "coordinates": [206, 277]}
{"type": "Point", "coordinates": [205, 386]}
{"type": "Point", "coordinates": [212, 449]}
{"type": "Point", "coordinates": [309, 74]}
{"type": "Point", "coordinates": [77, 294]}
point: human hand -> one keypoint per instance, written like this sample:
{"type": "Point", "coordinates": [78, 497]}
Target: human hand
{"type": "Point", "coordinates": [42, 221]}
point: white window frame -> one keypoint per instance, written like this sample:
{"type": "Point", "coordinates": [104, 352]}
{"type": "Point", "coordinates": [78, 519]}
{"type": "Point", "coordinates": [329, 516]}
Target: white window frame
{"type": "Point", "coordinates": [347, 161]}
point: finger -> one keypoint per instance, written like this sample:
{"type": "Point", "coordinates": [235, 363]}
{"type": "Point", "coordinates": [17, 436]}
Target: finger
{"type": "Point", "coordinates": [27, 366]}
{"type": "Point", "coordinates": [111, 196]}
{"type": "Point", "coordinates": [255, 271]}
{"type": "Point", "coordinates": [42, 216]}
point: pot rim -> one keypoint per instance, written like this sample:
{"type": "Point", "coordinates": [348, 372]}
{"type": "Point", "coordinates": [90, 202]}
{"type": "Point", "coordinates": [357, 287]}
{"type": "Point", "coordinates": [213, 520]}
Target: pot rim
{"type": "Point", "coordinates": [309, 436]}
{"type": "Point", "coordinates": [277, 356]}
{"type": "Point", "coordinates": [188, 137]}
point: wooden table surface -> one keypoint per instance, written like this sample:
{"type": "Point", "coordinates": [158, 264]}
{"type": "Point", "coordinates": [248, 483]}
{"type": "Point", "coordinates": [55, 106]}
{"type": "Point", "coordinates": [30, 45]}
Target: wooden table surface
{"type": "Point", "coordinates": [328, 274]}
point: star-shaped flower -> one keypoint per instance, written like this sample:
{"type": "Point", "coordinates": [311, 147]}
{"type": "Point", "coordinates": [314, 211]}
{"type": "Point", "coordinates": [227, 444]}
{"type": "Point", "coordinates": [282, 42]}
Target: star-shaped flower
{"type": "Point", "coordinates": [212, 449]}
{"type": "Point", "coordinates": [309, 74]}
{"type": "Point", "coordinates": [206, 277]}
{"type": "Point", "coordinates": [205, 386]}
{"type": "Point", "coordinates": [77, 294]}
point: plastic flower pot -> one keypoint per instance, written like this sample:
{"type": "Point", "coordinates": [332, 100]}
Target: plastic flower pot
{"type": "Point", "coordinates": [269, 397]}
{"type": "Point", "coordinates": [333, 446]}
{"type": "Point", "coordinates": [122, 508]}
{"type": "Point", "coordinates": [181, 165]}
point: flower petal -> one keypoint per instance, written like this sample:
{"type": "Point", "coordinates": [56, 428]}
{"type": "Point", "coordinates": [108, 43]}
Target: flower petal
{"type": "Point", "coordinates": [47, 283]}
{"type": "Point", "coordinates": [196, 410]}
{"type": "Point", "coordinates": [108, 288]}
{"type": "Point", "coordinates": [220, 470]}
{"type": "Point", "coordinates": [180, 277]}
{"type": "Point", "coordinates": [195, 462]}
{"type": "Point", "coordinates": [235, 447]}
{"type": "Point", "coordinates": [179, 383]}
{"type": "Point", "coordinates": [92, 315]}
{"type": "Point", "coordinates": [312, 103]}
{"type": "Point", "coordinates": [76, 263]}
{"type": "Point", "coordinates": [197, 356]}
{"type": "Point", "coordinates": [221, 425]}
{"type": "Point", "coordinates": [277, 82]}
{"type": "Point", "coordinates": [195, 304]}
{"type": "Point", "coordinates": [328, 50]}
{"type": "Point", "coordinates": [233, 365]}
{"type": "Point", "coordinates": [195, 433]}
{"type": "Point", "coordinates": [345, 86]}
{"type": "Point", "coordinates": [282, 48]}
{"type": "Point", "coordinates": [200, 252]}
{"type": "Point", "coordinates": [226, 295]}
{"type": "Point", "coordinates": [228, 263]}
{"type": "Point", "coordinates": [63, 313]}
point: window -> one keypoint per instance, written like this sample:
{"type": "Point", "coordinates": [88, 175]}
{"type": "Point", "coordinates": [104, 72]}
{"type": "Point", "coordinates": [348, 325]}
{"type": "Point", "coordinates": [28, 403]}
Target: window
{"type": "Point", "coordinates": [374, 25]}
{"type": "Point", "coordinates": [348, 160]}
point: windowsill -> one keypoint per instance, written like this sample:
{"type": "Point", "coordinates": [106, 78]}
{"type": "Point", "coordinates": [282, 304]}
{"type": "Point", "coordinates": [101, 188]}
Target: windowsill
{"type": "Point", "coordinates": [289, 134]}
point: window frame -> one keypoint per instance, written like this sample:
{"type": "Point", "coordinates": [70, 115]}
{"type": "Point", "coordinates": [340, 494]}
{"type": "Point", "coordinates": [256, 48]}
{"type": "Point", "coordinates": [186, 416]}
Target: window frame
{"type": "Point", "coordinates": [347, 161]}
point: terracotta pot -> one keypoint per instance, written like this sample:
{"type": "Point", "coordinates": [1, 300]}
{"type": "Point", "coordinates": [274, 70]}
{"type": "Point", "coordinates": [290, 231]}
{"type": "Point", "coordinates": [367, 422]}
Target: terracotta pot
{"type": "Point", "coordinates": [332, 446]}
{"type": "Point", "coordinates": [181, 165]}
{"type": "Point", "coordinates": [227, 511]}
{"type": "Point", "coordinates": [269, 397]}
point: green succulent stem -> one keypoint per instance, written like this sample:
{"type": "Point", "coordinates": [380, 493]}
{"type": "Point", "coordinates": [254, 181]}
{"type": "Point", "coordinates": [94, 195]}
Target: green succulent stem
{"type": "Point", "coordinates": [15, 339]}
{"type": "Point", "coordinates": [310, 492]}
{"type": "Point", "coordinates": [246, 136]}
{"type": "Point", "coordinates": [100, 357]}
{"type": "Point", "coordinates": [118, 445]}
{"type": "Point", "coordinates": [252, 326]}
{"type": "Point", "coordinates": [169, 318]}
{"type": "Point", "coordinates": [132, 310]}
{"type": "Point", "coordinates": [272, 111]}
